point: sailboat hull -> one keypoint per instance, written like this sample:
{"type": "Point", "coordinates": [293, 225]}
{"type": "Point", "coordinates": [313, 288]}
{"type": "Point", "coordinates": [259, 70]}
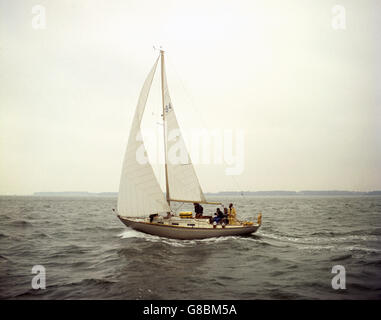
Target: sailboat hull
{"type": "Point", "coordinates": [187, 233]}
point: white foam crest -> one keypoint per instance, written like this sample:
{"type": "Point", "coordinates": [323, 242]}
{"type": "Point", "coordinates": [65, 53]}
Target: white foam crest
{"type": "Point", "coordinates": [321, 239]}
{"type": "Point", "coordinates": [356, 247]}
{"type": "Point", "coordinates": [178, 243]}
{"type": "Point", "coordinates": [282, 238]}
{"type": "Point", "coordinates": [338, 248]}
{"type": "Point", "coordinates": [131, 233]}
{"type": "Point", "coordinates": [219, 239]}
{"type": "Point", "coordinates": [316, 247]}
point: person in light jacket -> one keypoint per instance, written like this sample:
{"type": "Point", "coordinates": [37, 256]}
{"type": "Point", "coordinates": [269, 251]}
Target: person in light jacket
{"type": "Point", "coordinates": [232, 214]}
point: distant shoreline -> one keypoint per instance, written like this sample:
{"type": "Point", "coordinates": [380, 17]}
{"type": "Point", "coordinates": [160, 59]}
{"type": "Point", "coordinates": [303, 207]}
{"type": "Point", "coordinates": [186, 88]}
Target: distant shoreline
{"type": "Point", "coordinates": [222, 193]}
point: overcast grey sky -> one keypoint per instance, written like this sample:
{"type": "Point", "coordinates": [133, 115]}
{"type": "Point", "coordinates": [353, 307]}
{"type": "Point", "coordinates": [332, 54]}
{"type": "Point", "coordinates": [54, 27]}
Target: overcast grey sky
{"type": "Point", "coordinates": [304, 94]}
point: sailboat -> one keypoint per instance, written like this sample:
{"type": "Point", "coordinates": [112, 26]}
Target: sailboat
{"type": "Point", "coordinates": [142, 204]}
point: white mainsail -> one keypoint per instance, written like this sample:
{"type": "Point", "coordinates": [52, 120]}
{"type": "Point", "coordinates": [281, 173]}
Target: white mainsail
{"type": "Point", "coordinates": [182, 183]}
{"type": "Point", "coordinates": [139, 191]}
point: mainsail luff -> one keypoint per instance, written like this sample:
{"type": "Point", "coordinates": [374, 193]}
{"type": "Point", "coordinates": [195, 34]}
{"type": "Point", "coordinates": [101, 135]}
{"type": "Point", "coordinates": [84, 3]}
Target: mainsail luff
{"type": "Point", "coordinates": [139, 191]}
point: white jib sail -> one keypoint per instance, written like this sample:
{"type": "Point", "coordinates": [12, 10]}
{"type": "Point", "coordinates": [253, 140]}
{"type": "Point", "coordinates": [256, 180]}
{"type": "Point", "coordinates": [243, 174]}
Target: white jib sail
{"type": "Point", "coordinates": [139, 191]}
{"type": "Point", "coordinates": [182, 179]}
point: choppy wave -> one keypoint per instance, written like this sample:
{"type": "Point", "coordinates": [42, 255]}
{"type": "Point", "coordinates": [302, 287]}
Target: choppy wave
{"type": "Point", "coordinates": [21, 223]}
{"type": "Point", "coordinates": [90, 254]}
{"type": "Point", "coordinates": [320, 239]}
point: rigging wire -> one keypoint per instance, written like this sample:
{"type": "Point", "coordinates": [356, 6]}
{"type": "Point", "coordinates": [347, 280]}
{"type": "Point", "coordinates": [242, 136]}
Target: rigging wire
{"type": "Point", "coordinates": [181, 204]}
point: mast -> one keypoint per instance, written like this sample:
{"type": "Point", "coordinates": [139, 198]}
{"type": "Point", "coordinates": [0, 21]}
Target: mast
{"type": "Point", "coordinates": [165, 140]}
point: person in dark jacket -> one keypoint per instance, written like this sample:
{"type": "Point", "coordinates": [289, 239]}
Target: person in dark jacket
{"type": "Point", "coordinates": [219, 215]}
{"type": "Point", "coordinates": [198, 209]}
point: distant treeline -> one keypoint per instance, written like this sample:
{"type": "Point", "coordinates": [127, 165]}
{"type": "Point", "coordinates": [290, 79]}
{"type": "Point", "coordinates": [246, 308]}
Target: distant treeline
{"type": "Point", "coordinates": [225, 193]}
{"type": "Point", "coordinates": [75, 194]}
{"type": "Point", "coordinates": [299, 193]}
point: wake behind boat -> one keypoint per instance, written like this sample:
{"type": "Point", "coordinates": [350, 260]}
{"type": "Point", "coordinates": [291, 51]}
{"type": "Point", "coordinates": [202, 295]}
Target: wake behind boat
{"type": "Point", "coordinates": [141, 201]}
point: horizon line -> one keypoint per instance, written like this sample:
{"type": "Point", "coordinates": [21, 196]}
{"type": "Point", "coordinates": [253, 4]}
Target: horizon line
{"type": "Point", "coordinates": [208, 192]}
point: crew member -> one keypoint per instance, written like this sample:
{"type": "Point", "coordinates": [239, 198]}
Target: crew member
{"type": "Point", "coordinates": [232, 214]}
{"type": "Point", "coordinates": [219, 215]}
{"type": "Point", "coordinates": [198, 209]}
